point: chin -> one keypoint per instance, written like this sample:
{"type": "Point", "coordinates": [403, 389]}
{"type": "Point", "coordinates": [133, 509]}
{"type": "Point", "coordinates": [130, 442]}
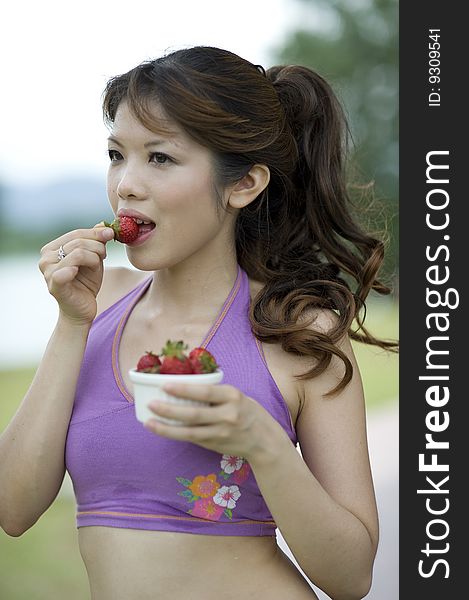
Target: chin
{"type": "Point", "coordinates": [151, 261]}
{"type": "Point", "coordinates": [143, 263]}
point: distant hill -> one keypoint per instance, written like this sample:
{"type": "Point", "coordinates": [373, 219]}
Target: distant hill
{"type": "Point", "coordinates": [46, 206]}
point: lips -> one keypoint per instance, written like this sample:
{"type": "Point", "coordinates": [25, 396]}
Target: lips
{"type": "Point", "coordinates": [145, 232]}
{"type": "Point", "coordinates": [136, 215]}
{"type": "Point", "coordinates": [146, 225]}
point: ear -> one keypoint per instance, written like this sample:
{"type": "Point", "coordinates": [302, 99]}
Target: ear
{"type": "Point", "coordinates": [250, 186]}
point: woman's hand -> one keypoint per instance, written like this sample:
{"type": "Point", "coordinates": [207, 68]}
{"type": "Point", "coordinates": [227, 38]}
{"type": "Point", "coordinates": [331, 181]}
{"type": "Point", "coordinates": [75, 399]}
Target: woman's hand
{"type": "Point", "coordinates": [230, 423]}
{"type": "Point", "coordinates": [75, 280]}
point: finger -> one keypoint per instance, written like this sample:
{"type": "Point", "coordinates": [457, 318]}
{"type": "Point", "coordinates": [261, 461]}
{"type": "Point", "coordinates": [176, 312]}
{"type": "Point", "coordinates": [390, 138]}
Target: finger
{"type": "Point", "coordinates": [64, 275]}
{"type": "Point", "coordinates": [102, 234]}
{"type": "Point", "coordinates": [76, 249]}
{"type": "Point", "coordinates": [72, 262]}
{"type": "Point", "coordinates": [182, 433]}
{"type": "Point", "coordinates": [190, 415]}
{"type": "Point", "coordinates": [80, 257]}
{"type": "Point", "coordinates": [214, 393]}
{"type": "Point", "coordinates": [92, 245]}
{"type": "Point", "coordinates": [51, 257]}
{"type": "Point", "coordinates": [66, 270]}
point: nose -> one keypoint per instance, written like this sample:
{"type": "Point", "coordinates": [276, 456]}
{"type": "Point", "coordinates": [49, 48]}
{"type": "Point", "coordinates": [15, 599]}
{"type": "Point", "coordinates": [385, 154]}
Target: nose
{"type": "Point", "coordinates": [130, 184]}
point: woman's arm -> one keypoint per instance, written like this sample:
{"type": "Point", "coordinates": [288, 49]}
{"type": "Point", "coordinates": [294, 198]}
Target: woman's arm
{"type": "Point", "coordinates": [324, 505]}
{"type": "Point", "coordinates": [32, 462]}
{"type": "Point", "coordinates": [32, 447]}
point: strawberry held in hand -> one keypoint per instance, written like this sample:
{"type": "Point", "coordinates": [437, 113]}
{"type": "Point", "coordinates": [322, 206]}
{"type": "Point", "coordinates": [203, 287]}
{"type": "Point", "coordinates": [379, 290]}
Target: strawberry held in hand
{"type": "Point", "coordinates": [149, 363]}
{"type": "Point", "coordinates": [175, 362]}
{"type": "Point", "coordinates": [202, 361]}
{"type": "Point", "coordinates": [126, 230]}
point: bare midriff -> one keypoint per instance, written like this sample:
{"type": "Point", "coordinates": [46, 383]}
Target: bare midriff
{"type": "Point", "coordinates": [160, 565]}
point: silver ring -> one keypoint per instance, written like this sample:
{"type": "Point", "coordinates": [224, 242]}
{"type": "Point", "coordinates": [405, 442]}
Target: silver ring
{"type": "Point", "coordinates": [61, 253]}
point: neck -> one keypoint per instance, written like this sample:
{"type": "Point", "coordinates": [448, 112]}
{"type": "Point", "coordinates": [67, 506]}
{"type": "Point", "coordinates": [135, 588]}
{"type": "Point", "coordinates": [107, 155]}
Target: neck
{"type": "Point", "coordinates": [191, 292]}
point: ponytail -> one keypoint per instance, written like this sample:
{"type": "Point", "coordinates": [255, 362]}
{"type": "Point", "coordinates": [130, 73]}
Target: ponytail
{"type": "Point", "coordinates": [323, 252]}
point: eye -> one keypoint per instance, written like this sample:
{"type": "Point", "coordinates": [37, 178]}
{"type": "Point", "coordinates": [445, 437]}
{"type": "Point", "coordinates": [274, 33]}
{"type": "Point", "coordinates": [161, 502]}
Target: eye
{"type": "Point", "coordinates": [159, 158]}
{"type": "Point", "coordinates": [114, 155]}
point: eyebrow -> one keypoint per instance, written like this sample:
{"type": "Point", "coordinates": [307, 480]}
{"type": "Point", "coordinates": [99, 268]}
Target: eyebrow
{"type": "Point", "coordinates": [111, 138]}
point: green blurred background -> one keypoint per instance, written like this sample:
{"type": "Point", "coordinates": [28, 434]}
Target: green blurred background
{"type": "Point", "coordinates": [353, 44]}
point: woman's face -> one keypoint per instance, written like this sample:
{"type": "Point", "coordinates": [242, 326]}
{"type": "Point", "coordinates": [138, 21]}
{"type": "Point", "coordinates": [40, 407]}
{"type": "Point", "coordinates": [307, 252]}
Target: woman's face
{"type": "Point", "coordinates": [168, 180]}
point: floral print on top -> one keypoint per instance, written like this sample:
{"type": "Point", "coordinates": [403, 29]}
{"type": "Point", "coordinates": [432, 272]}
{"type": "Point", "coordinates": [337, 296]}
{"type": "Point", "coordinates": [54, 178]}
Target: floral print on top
{"type": "Point", "coordinates": [213, 496]}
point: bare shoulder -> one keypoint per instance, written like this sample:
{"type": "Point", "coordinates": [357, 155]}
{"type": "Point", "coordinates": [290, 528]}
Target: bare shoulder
{"type": "Point", "coordinates": [285, 367]}
{"type": "Point", "coordinates": [313, 412]}
{"type": "Point", "coordinates": [117, 282]}
{"type": "Point", "coordinates": [324, 321]}
{"type": "Point", "coordinates": [321, 319]}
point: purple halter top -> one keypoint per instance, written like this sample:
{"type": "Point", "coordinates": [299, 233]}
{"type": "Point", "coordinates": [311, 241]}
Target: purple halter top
{"type": "Point", "coordinates": [126, 476]}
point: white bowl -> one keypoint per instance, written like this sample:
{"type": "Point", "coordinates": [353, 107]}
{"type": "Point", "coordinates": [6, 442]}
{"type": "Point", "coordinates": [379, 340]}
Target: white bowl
{"type": "Point", "coordinates": [149, 386]}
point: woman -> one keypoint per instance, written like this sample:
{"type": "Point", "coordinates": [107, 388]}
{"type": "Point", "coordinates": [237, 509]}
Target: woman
{"type": "Point", "coordinates": [247, 247]}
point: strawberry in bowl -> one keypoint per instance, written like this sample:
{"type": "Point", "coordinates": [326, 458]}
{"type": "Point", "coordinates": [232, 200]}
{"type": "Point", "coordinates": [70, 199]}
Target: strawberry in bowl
{"type": "Point", "coordinates": [173, 364]}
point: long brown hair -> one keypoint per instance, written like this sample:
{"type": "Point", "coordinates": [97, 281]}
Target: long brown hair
{"type": "Point", "coordinates": [299, 237]}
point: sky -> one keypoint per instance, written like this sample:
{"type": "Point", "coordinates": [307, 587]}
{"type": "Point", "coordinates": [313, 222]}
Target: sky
{"type": "Point", "coordinates": [57, 56]}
